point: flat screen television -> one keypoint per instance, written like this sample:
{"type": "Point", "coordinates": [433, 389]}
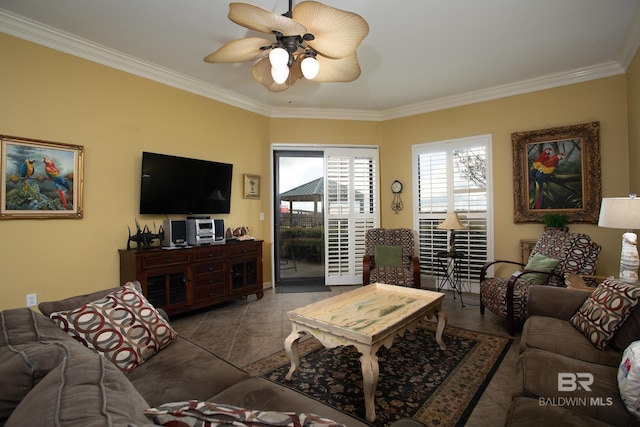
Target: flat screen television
{"type": "Point", "coordinates": [180, 185]}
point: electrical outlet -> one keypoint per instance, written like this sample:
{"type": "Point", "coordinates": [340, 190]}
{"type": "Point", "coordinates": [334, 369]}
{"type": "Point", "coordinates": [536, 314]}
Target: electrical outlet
{"type": "Point", "coordinates": [32, 300]}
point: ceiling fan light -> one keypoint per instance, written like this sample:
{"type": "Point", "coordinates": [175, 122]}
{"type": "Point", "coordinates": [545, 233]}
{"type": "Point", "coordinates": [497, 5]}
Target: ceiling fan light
{"type": "Point", "coordinates": [279, 74]}
{"type": "Point", "coordinates": [279, 57]}
{"type": "Point", "coordinates": [310, 67]}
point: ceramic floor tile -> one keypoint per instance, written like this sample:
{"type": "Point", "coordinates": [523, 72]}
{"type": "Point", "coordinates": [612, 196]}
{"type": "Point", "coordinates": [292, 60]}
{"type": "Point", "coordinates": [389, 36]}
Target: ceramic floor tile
{"type": "Point", "coordinates": [248, 329]}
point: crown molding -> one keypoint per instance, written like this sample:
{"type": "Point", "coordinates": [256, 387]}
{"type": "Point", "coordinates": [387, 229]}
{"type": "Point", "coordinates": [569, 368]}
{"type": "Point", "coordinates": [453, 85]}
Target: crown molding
{"type": "Point", "coordinates": [41, 34]}
{"type": "Point", "coordinates": [503, 91]}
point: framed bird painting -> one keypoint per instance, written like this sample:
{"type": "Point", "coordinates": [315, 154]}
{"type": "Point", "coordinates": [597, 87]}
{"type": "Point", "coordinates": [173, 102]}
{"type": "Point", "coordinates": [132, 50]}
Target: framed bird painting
{"type": "Point", "coordinates": [40, 179]}
{"type": "Point", "coordinates": [557, 170]}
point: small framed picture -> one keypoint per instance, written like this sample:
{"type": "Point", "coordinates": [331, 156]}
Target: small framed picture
{"type": "Point", "coordinates": [251, 186]}
{"type": "Point", "coordinates": [40, 179]}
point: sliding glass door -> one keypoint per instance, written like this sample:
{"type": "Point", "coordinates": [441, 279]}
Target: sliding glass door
{"type": "Point", "coordinates": [324, 202]}
{"type": "Point", "coordinates": [299, 218]}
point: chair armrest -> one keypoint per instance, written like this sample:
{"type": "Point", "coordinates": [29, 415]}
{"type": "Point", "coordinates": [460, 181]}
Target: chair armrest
{"type": "Point", "coordinates": [518, 274]}
{"type": "Point", "coordinates": [415, 268]}
{"type": "Point", "coordinates": [366, 269]}
{"type": "Point", "coordinates": [485, 267]}
{"type": "Point", "coordinates": [552, 301]}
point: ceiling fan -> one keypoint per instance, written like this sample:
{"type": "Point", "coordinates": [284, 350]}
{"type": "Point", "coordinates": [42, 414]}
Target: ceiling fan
{"type": "Point", "coordinates": [312, 40]}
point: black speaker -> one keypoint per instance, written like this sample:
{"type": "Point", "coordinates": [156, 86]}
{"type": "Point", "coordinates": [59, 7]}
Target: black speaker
{"type": "Point", "coordinates": [175, 233]}
{"type": "Point", "coordinates": [218, 226]}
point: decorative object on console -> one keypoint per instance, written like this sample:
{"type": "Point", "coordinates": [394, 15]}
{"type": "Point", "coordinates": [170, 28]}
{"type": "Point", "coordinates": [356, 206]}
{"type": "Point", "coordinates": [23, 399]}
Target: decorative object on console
{"type": "Point", "coordinates": [557, 170]}
{"type": "Point", "coordinates": [239, 233]}
{"type": "Point", "coordinates": [40, 179]}
{"type": "Point", "coordinates": [396, 189]}
{"type": "Point", "coordinates": [452, 223]}
{"type": "Point", "coordinates": [251, 189]}
{"type": "Point", "coordinates": [144, 237]}
{"type": "Point", "coordinates": [313, 40]}
{"type": "Point", "coordinates": [624, 212]}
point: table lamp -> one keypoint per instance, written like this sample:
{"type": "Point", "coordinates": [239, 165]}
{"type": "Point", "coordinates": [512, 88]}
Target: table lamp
{"type": "Point", "coordinates": [452, 223]}
{"type": "Point", "coordinates": [624, 212]}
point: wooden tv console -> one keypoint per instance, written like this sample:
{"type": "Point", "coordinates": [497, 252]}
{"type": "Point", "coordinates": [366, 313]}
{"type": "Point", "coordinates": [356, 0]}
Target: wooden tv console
{"type": "Point", "coordinates": [184, 279]}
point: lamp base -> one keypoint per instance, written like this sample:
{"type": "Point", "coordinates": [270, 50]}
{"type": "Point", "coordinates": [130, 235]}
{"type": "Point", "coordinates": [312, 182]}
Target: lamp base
{"type": "Point", "coordinates": [629, 260]}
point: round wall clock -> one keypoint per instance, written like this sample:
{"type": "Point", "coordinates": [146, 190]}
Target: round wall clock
{"type": "Point", "coordinates": [396, 189]}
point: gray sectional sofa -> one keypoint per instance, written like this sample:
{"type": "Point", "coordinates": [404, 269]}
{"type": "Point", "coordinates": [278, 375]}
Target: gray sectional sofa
{"type": "Point", "coordinates": [551, 346]}
{"type": "Point", "coordinates": [49, 378]}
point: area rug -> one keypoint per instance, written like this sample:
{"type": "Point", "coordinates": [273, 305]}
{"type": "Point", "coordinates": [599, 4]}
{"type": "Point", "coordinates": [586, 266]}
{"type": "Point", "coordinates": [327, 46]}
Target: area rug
{"type": "Point", "coordinates": [417, 378]}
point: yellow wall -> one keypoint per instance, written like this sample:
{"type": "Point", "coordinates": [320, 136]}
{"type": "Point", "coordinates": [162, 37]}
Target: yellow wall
{"type": "Point", "coordinates": [633, 91]}
{"type": "Point", "coordinates": [601, 100]}
{"type": "Point", "coordinates": [57, 97]}
{"type": "Point", "coordinates": [115, 116]}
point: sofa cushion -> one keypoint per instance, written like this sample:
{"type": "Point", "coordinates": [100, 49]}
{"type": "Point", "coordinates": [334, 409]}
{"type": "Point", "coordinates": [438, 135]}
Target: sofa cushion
{"type": "Point", "coordinates": [123, 326]}
{"type": "Point", "coordinates": [183, 371]}
{"type": "Point", "coordinates": [196, 413]}
{"type": "Point", "coordinates": [597, 396]}
{"type": "Point", "coordinates": [560, 337]}
{"type": "Point", "coordinates": [83, 390]}
{"type": "Point", "coordinates": [528, 412]}
{"type": "Point", "coordinates": [628, 332]}
{"type": "Point", "coordinates": [30, 347]}
{"type": "Point", "coordinates": [48, 307]}
{"type": "Point", "coordinates": [605, 310]}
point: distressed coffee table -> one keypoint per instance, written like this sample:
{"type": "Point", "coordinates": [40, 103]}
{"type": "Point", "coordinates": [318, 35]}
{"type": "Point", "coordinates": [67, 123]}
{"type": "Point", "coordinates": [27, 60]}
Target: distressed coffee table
{"type": "Point", "coordinates": [365, 318]}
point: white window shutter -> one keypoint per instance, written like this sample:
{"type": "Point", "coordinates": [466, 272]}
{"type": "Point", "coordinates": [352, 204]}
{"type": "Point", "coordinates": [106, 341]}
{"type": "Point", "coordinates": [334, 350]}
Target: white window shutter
{"type": "Point", "coordinates": [454, 176]}
{"type": "Point", "coordinates": [352, 207]}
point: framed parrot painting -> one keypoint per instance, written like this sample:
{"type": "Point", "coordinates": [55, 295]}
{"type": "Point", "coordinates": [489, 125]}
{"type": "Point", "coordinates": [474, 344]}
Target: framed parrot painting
{"type": "Point", "coordinates": [557, 170]}
{"type": "Point", "coordinates": [40, 179]}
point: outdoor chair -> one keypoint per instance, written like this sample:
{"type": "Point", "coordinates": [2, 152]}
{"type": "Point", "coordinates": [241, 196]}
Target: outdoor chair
{"type": "Point", "coordinates": [556, 253]}
{"type": "Point", "coordinates": [390, 257]}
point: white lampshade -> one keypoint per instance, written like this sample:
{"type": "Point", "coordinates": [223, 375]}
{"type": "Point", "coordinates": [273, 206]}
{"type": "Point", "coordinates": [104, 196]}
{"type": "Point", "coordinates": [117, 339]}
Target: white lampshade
{"type": "Point", "coordinates": [624, 212]}
{"type": "Point", "coordinates": [620, 212]}
{"type": "Point", "coordinates": [310, 67]}
{"type": "Point", "coordinates": [279, 74]}
{"type": "Point", "coordinates": [451, 222]}
{"type": "Point", "coordinates": [279, 58]}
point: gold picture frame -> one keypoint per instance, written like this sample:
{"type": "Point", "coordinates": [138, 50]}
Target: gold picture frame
{"type": "Point", "coordinates": [40, 179]}
{"type": "Point", "coordinates": [251, 188]}
{"type": "Point", "coordinates": [557, 170]}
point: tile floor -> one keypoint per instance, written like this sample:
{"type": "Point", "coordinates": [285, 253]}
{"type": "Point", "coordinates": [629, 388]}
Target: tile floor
{"type": "Point", "coordinates": [245, 330]}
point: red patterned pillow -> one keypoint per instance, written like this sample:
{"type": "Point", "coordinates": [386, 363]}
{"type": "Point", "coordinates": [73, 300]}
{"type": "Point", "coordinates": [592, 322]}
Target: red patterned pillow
{"type": "Point", "coordinates": [123, 326]}
{"type": "Point", "coordinates": [605, 310]}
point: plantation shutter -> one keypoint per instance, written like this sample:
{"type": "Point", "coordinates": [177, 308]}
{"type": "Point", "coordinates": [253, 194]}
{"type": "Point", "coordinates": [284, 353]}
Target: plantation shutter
{"type": "Point", "coordinates": [454, 176]}
{"type": "Point", "coordinates": [351, 206]}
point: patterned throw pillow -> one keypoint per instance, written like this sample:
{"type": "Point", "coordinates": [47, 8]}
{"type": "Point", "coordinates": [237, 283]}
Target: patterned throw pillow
{"type": "Point", "coordinates": [605, 310]}
{"type": "Point", "coordinates": [123, 326]}
{"type": "Point", "coordinates": [195, 413]}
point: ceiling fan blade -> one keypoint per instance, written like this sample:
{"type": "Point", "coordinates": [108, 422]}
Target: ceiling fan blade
{"type": "Point", "coordinates": [262, 73]}
{"type": "Point", "coordinates": [263, 20]}
{"type": "Point", "coordinates": [341, 70]}
{"type": "Point", "coordinates": [243, 50]}
{"type": "Point", "coordinates": [337, 32]}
